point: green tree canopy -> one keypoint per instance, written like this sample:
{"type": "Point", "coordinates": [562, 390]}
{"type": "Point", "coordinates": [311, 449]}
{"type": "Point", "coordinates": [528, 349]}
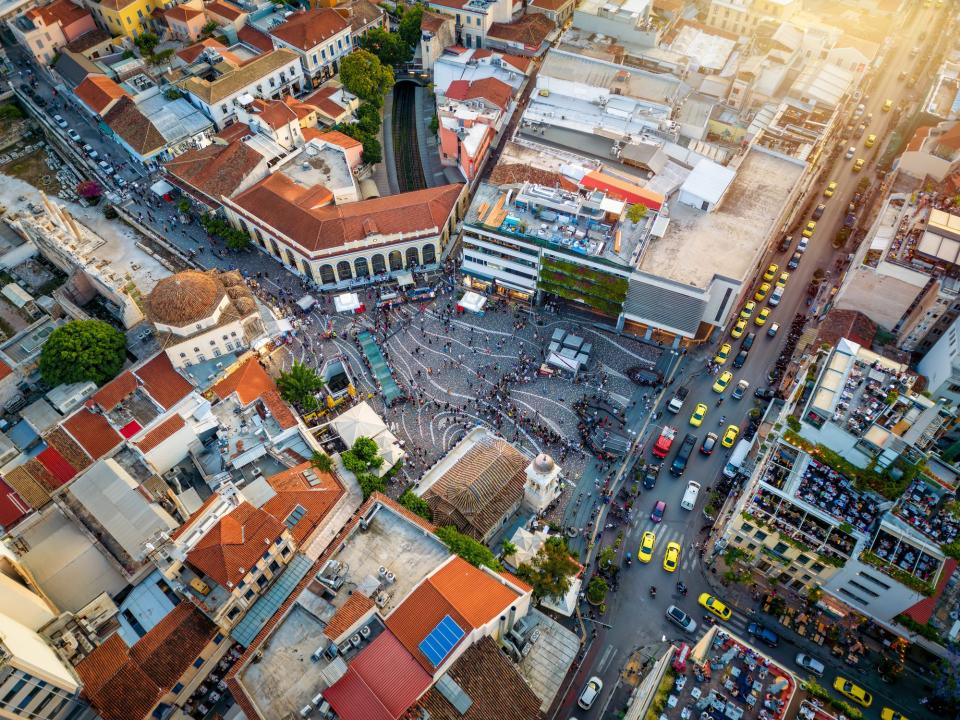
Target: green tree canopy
{"type": "Point", "coordinates": [416, 505]}
{"type": "Point", "coordinates": [372, 150]}
{"type": "Point", "coordinates": [597, 590]}
{"type": "Point", "coordinates": [83, 350]}
{"type": "Point", "coordinates": [368, 118]}
{"type": "Point", "coordinates": [550, 571]}
{"type": "Point", "coordinates": [322, 462]}
{"type": "Point", "coordinates": [637, 212]}
{"type": "Point", "coordinates": [147, 42]}
{"type": "Point", "coordinates": [362, 459]}
{"type": "Point", "coordinates": [473, 552]}
{"type": "Point", "coordinates": [389, 47]}
{"type": "Point", "coordinates": [409, 29]}
{"type": "Point", "coordinates": [362, 74]}
{"type": "Point", "coordinates": [300, 386]}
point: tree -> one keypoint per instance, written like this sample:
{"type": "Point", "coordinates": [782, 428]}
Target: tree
{"type": "Point", "coordinates": [607, 558]}
{"type": "Point", "coordinates": [10, 112]}
{"type": "Point", "coordinates": [368, 118]}
{"type": "Point", "coordinates": [389, 47]}
{"type": "Point", "coordinates": [473, 552]}
{"type": "Point", "coordinates": [550, 571]}
{"type": "Point", "coordinates": [322, 462]}
{"type": "Point", "coordinates": [370, 483]}
{"type": "Point", "coordinates": [366, 449]}
{"type": "Point", "coordinates": [89, 190]}
{"type": "Point", "coordinates": [300, 386]}
{"type": "Point", "coordinates": [361, 460]}
{"type": "Point", "coordinates": [637, 212]}
{"type": "Point", "coordinates": [416, 505]}
{"type": "Point", "coordinates": [507, 548]}
{"type": "Point", "coordinates": [209, 29]}
{"type": "Point", "coordinates": [83, 350]}
{"type": "Point", "coordinates": [409, 28]}
{"type": "Point", "coordinates": [147, 43]}
{"type": "Point", "coordinates": [372, 151]}
{"type": "Point", "coordinates": [597, 590]}
{"type": "Point", "coordinates": [362, 74]}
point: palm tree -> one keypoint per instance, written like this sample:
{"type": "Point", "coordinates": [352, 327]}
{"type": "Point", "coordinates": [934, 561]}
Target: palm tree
{"type": "Point", "coordinates": [300, 386]}
{"type": "Point", "coordinates": [322, 462]}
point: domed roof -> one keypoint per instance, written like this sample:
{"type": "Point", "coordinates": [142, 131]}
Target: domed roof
{"type": "Point", "coordinates": [185, 298]}
{"type": "Point", "coordinates": [543, 463]}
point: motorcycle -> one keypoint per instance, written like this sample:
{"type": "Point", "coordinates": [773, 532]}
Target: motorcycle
{"type": "Point", "coordinates": [653, 591]}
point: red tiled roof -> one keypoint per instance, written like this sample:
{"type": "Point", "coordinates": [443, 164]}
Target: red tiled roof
{"type": "Point", "coordinates": [418, 615]}
{"type": "Point", "coordinates": [68, 448]}
{"type": "Point", "coordinates": [190, 53]}
{"type": "Point", "coordinates": [340, 139]}
{"type": "Point", "coordinates": [32, 482]}
{"type": "Point", "coordinates": [308, 29]}
{"type": "Point", "coordinates": [432, 22]}
{"type": "Point", "coordinates": [196, 514]}
{"type": "Point", "coordinates": [4, 370]}
{"type": "Point", "coordinates": [279, 203]}
{"type": "Point", "coordinates": [53, 461]}
{"type": "Point", "coordinates": [160, 433]}
{"type": "Point", "coordinates": [292, 488]}
{"type": "Point", "coordinates": [98, 92]}
{"type": "Point", "coordinates": [162, 382]}
{"type": "Point", "coordinates": [237, 131]}
{"type": "Point", "coordinates": [279, 409]}
{"type": "Point", "coordinates": [923, 610]}
{"type": "Point", "coordinates": [12, 506]}
{"type": "Point", "coordinates": [224, 9]}
{"type": "Point", "coordinates": [518, 61]}
{"type": "Point", "coordinates": [111, 394]}
{"type": "Point", "coordinates": [549, 4]}
{"type": "Point", "coordinates": [216, 170]}
{"type": "Point", "coordinates": [531, 30]}
{"type": "Point", "coordinates": [249, 382]}
{"type": "Point", "coordinates": [491, 89]}
{"type": "Point", "coordinates": [232, 547]}
{"type": "Point", "coordinates": [274, 113]}
{"type": "Point", "coordinates": [457, 4]}
{"type": "Point", "coordinates": [356, 606]}
{"type": "Point", "coordinates": [136, 129]}
{"type": "Point", "coordinates": [124, 683]}
{"type": "Point", "coordinates": [181, 14]}
{"type": "Point", "coordinates": [93, 432]}
{"type": "Point", "coordinates": [473, 592]}
{"type": "Point", "coordinates": [381, 682]}
{"type": "Point", "coordinates": [255, 39]}
{"type": "Point", "coordinates": [62, 11]}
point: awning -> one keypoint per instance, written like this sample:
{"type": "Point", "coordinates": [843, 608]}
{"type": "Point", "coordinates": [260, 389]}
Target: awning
{"type": "Point", "coordinates": [347, 302]}
{"type": "Point", "coordinates": [306, 302]}
{"type": "Point", "coordinates": [161, 188]}
{"type": "Point", "coordinates": [472, 301]}
{"type": "Point", "coordinates": [564, 363]}
{"type": "Point", "coordinates": [404, 278]}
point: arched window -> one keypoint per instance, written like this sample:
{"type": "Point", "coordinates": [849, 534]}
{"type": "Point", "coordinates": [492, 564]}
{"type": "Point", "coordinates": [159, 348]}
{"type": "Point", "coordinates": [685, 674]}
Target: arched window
{"type": "Point", "coordinates": [343, 270]}
{"type": "Point", "coordinates": [326, 275]}
{"type": "Point", "coordinates": [259, 237]}
{"type": "Point", "coordinates": [413, 257]}
{"type": "Point", "coordinates": [429, 254]}
{"type": "Point", "coordinates": [361, 267]}
{"type": "Point", "coordinates": [379, 266]}
{"type": "Point", "coordinates": [396, 260]}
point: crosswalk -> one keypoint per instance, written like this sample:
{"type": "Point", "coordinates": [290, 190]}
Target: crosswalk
{"type": "Point", "coordinates": [666, 533]}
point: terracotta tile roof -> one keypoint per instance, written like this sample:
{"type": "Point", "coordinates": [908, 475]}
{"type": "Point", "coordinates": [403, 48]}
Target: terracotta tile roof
{"type": "Point", "coordinates": [237, 131]}
{"type": "Point", "coordinates": [325, 105]}
{"type": "Point", "coordinates": [274, 201]}
{"type": "Point", "coordinates": [491, 681]}
{"type": "Point", "coordinates": [126, 120]}
{"type": "Point", "coordinates": [62, 11]}
{"type": "Point", "coordinates": [124, 683]}
{"type": "Point", "coordinates": [457, 4]}
{"type": "Point", "coordinates": [340, 139]}
{"type": "Point", "coordinates": [472, 591]}
{"type": "Point", "coordinates": [274, 113]}
{"type": "Point", "coordinates": [476, 492]}
{"type": "Point", "coordinates": [226, 10]}
{"type": "Point", "coordinates": [249, 35]}
{"type": "Point", "coordinates": [232, 547]}
{"type": "Point", "coordinates": [98, 92]}
{"type": "Point", "coordinates": [214, 497]}
{"type": "Point", "coordinates": [356, 606]}
{"type": "Point", "coordinates": [517, 173]}
{"type": "Point", "coordinates": [418, 615]}
{"type": "Point", "coordinates": [495, 91]}
{"type": "Point", "coordinates": [279, 409]}
{"type": "Point", "coordinates": [179, 13]}
{"type": "Point", "coordinates": [4, 369]}
{"type": "Point", "coordinates": [432, 22]}
{"type": "Point", "coordinates": [292, 488]}
{"type": "Point", "coordinates": [162, 382]}
{"type": "Point", "coordinates": [550, 4]}
{"type": "Point", "coordinates": [518, 61]}
{"type": "Point", "coordinates": [32, 482]}
{"type": "Point", "coordinates": [88, 40]}
{"type": "Point", "coordinates": [306, 30]}
{"type": "Point", "coordinates": [190, 53]}
{"type": "Point", "coordinates": [53, 461]}
{"type": "Point", "coordinates": [249, 382]}
{"type": "Point", "coordinates": [531, 30]}
{"type": "Point", "coordinates": [160, 433]}
{"type": "Point", "coordinates": [361, 14]}
{"type": "Point", "coordinates": [115, 391]}
{"type": "Point", "coordinates": [92, 432]}
{"type": "Point", "coordinates": [213, 91]}
{"type": "Point", "coordinates": [216, 170]}
{"type": "Point", "coordinates": [12, 507]}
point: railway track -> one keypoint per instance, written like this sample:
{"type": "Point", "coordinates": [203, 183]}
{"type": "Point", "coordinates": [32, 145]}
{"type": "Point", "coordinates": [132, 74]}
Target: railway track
{"type": "Point", "coordinates": [406, 148]}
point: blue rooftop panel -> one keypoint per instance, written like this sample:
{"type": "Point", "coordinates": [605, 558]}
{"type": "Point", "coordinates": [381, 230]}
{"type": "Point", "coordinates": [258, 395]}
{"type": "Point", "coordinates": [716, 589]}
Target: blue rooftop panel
{"type": "Point", "coordinates": [267, 605]}
{"type": "Point", "coordinates": [441, 640]}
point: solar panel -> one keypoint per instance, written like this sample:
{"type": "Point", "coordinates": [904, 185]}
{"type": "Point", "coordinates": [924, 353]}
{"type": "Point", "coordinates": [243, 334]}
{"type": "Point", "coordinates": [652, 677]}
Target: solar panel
{"type": "Point", "coordinates": [441, 640]}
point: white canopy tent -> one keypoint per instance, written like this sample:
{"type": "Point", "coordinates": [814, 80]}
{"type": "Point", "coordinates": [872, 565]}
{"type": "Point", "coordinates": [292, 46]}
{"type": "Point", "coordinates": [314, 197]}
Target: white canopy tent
{"type": "Point", "coordinates": [528, 544]}
{"type": "Point", "coordinates": [362, 421]}
{"type": "Point", "coordinates": [347, 302]}
{"type": "Point", "coordinates": [161, 188]}
{"type": "Point", "coordinates": [472, 301]}
{"type": "Point", "coordinates": [404, 278]}
{"type": "Point", "coordinates": [306, 302]}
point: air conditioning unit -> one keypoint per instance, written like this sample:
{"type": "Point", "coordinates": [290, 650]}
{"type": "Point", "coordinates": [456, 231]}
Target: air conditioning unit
{"type": "Point", "coordinates": [306, 711]}
{"type": "Point", "coordinates": [391, 577]}
{"type": "Point", "coordinates": [365, 632]}
{"type": "Point", "coordinates": [355, 640]}
{"type": "Point", "coordinates": [318, 653]}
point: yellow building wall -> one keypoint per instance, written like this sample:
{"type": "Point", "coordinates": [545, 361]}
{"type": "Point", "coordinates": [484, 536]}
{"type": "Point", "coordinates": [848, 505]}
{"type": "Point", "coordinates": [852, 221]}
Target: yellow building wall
{"type": "Point", "coordinates": [128, 21]}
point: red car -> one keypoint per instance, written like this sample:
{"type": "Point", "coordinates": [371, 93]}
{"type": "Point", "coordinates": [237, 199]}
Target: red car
{"type": "Point", "coordinates": [658, 510]}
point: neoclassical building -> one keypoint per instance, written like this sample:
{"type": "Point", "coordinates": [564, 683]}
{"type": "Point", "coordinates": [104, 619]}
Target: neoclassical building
{"type": "Point", "coordinates": [331, 244]}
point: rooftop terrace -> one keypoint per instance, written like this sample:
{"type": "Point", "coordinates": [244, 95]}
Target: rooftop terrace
{"type": "Point", "coordinates": [318, 166]}
{"type": "Point", "coordinates": [929, 508]}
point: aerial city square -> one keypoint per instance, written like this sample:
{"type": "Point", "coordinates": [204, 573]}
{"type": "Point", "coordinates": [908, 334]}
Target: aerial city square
{"type": "Point", "coordinates": [479, 359]}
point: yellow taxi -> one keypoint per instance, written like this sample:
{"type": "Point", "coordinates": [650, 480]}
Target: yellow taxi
{"type": "Point", "coordinates": [722, 354]}
{"type": "Point", "coordinates": [647, 541]}
{"type": "Point", "coordinates": [761, 294]}
{"type": "Point", "coordinates": [809, 229]}
{"type": "Point", "coordinates": [858, 165]}
{"type": "Point", "coordinates": [871, 141]}
{"type": "Point", "coordinates": [699, 413]}
{"type": "Point", "coordinates": [887, 105]}
{"type": "Point", "coordinates": [721, 384]}
{"type": "Point", "coordinates": [748, 310]}
{"type": "Point", "coordinates": [762, 316]}
{"type": "Point", "coordinates": [782, 280]}
{"type": "Point", "coordinates": [738, 329]}
{"type": "Point", "coordinates": [715, 606]}
{"type": "Point", "coordinates": [771, 272]}
{"type": "Point", "coordinates": [730, 436]}
{"type": "Point", "coordinates": [891, 714]}
{"type": "Point", "coordinates": [671, 558]}
{"type": "Point", "coordinates": [854, 692]}
{"type": "Point", "coordinates": [830, 190]}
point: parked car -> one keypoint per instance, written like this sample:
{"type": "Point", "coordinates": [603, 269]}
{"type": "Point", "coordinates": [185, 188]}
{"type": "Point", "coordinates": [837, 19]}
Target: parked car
{"type": "Point", "coordinates": [748, 342]}
{"type": "Point", "coordinates": [61, 123]}
{"type": "Point", "coordinates": [650, 478]}
{"type": "Point", "coordinates": [740, 359]}
{"type": "Point", "coordinates": [740, 389]}
{"type": "Point", "coordinates": [795, 261]}
{"type": "Point", "coordinates": [772, 330]}
{"type": "Point", "coordinates": [643, 376]}
{"type": "Point", "coordinates": [73, 135]}
{"type": "Point", "coordinates": [775, 297]}
{"type": "Point", "coordinates": [681, 619]}
{"type": "Point", "coordinates": [91, 153]}
{"type": "Point", "coordinates": [818, 211]}
{"type": "Point", "coordinates": [590, 693]}
{"type": "Point", "coordinates": [767, 636]}
{"type": "Point", "coordinates": [810, 664]}
{"type": "Point", "coordinates": [785, 242]}
{"type": "Point", "coordinates": [764, 393]}
{"type": "Point", "coordinates": [106, 167]}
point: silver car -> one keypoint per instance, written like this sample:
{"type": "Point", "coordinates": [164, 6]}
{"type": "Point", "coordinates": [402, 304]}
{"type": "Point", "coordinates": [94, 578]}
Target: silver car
{"type": "Point", "coordinates": [811, 664]}
{"type": "Point", "coordinates": [681, 619]}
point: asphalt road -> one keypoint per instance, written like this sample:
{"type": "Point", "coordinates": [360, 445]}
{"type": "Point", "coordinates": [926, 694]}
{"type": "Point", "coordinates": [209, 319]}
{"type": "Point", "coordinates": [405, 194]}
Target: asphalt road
{"type": "Point", "coordinates": [636, 619]}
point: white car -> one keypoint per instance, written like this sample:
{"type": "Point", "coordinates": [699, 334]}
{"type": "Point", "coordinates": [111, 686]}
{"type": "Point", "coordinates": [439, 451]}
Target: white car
{"type": "Point", "coordinates": [106, 167]}
{"type": "Point", "coordinates": [61, 123]}
{"type": "Point", "coordinates": [73, 135]}
{"type": "Point", "coordinates": [91, 153]}
{"type": "Point", "coordinates": [811, 664]}
{"type": "Point", "coordinates": [776, 296]}
{"type": "Point", "coordinates": [590, 693]}
{"type": "Point", "coordinates": [850, 153]}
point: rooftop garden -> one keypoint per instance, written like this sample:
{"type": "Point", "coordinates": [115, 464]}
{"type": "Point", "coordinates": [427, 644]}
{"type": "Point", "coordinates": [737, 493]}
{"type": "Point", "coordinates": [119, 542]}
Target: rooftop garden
{"type": "Point", "coordinates": [601, 291]}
